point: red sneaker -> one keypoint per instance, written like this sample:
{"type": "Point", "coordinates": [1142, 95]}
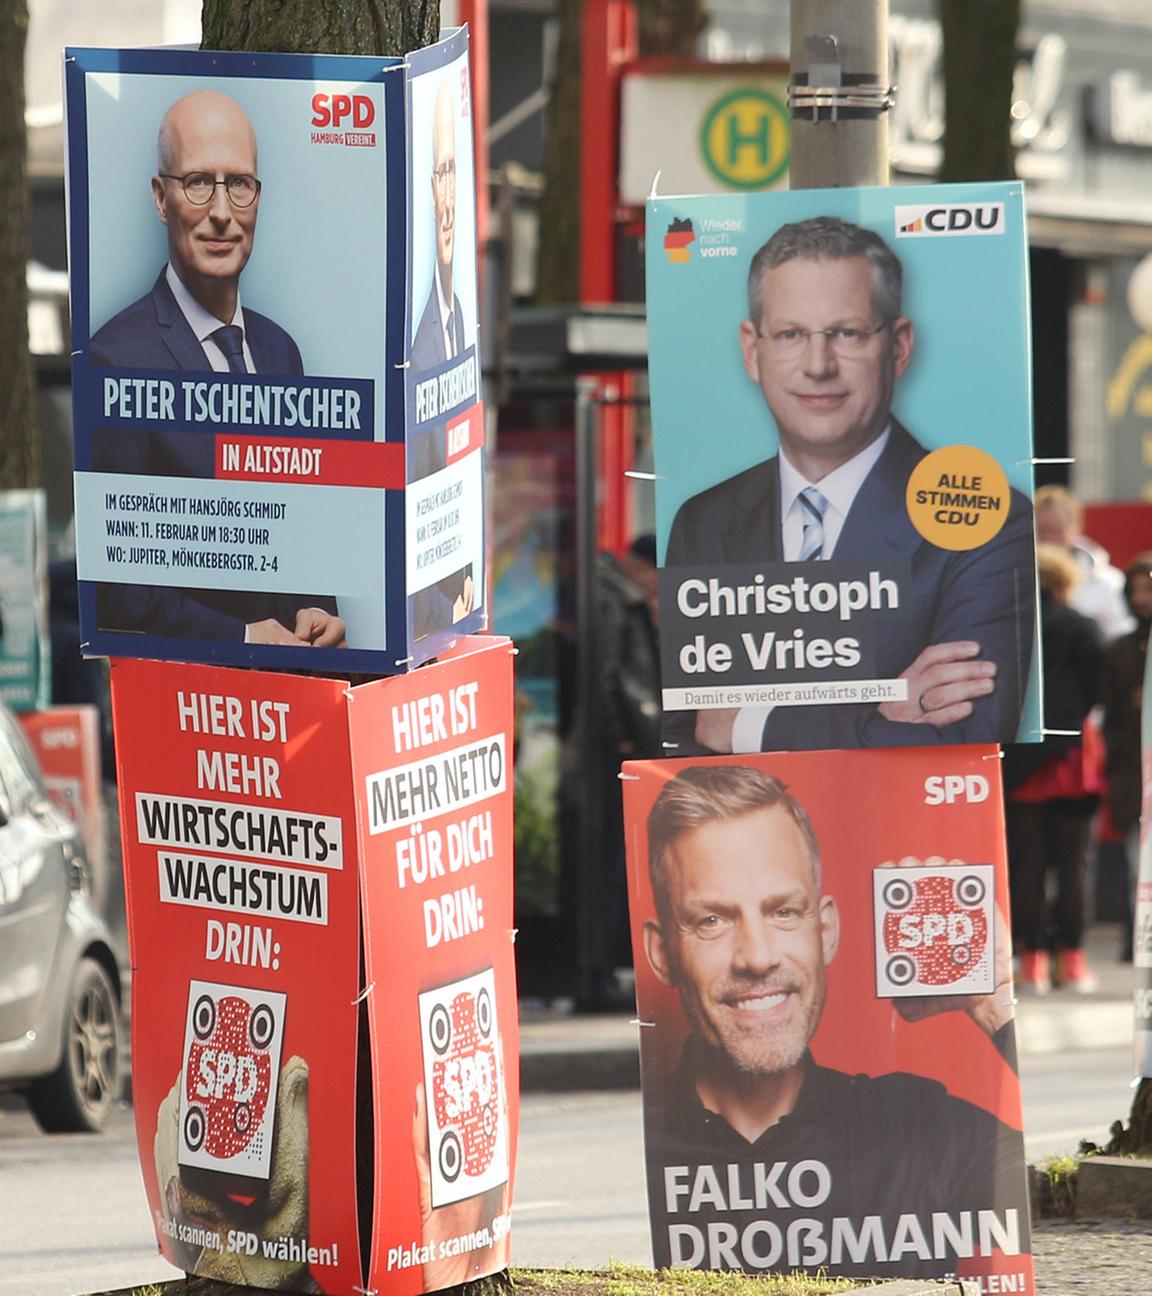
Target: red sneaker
{"type": "Point", "coordinates": [1075, 974]}
{"type": "Point", "coordinates": [1034, 977]}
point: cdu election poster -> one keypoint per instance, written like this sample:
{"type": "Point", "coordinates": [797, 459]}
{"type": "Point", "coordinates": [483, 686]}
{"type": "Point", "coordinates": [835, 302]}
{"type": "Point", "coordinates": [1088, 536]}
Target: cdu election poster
{"type": "Point", "coordinates": [829, 1062]}
{"type": "Point", "coordinates": [241, 881]}
{"type": "Point", "coordinates": [432, 765]}
{"type": "Point", "coordinates": [851, 564]}
{"type": "Point", "coordinates": [241, 269]}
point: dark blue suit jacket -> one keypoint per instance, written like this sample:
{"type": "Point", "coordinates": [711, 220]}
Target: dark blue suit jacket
{"type": "Point", "coordinates": [986, 595]}
{"type": "Point", "coordinates": [428, 348]}
{"type": "Point", "coordinates": [152, 333]}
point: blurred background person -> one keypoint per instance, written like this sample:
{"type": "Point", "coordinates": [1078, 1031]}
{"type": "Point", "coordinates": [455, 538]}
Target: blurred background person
{"type": "Point", "coordinates": [1121, 694]}
{"type": "Point", "coordinates": [627, 727]}
{"type": "Point", "coordinates": [1100, 591]}
{"type": "Point", "coordinates": [1052, 790]}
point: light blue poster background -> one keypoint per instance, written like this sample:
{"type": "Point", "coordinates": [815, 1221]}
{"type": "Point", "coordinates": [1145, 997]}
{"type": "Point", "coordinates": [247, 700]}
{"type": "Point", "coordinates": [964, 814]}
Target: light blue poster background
{"type": "Point", "coordinates": [317, 266]}
{"type": "Point", "coordinates": [424, 89]}
{"type": "Point", "coordinates": [969, 380]}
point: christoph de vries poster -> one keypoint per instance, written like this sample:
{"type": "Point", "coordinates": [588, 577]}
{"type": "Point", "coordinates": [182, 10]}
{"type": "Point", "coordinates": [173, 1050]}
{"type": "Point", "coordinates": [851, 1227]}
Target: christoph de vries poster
{"type": "Point", "coordinates": [852, 562]}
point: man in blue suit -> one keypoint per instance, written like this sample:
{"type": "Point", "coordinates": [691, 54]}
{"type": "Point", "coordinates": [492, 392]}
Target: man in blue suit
{"type": "Point", "coordinates": [825, 342]}
{"type": "Point", "coordinates": [207, 194]}
{"type": "Point", "coordinates": [440, 333]}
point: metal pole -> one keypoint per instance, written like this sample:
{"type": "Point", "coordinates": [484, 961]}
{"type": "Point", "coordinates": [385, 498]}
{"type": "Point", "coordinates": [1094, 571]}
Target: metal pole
{"type": "Point", "coordinates": [839, 93]}
{"type": "Point", "coordinates": [589, 836]}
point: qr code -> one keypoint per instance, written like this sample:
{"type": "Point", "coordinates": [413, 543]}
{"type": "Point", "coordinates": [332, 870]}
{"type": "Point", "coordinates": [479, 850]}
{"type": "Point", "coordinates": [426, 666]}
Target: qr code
{"type": "Point", "coordinates": [934, 930]}
{"type": "Point", "coordinates": [232, 1040]}
{"type": "Point", "coordinates": [464, 1088]}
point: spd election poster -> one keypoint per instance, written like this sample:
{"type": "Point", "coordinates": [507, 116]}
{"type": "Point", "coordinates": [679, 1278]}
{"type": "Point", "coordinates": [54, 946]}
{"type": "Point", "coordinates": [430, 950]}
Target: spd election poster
{"type": "Point", "coordinates": [66, 740]}
{"type": "Point", "coordinates": [432, 765]}
{"type": "Point", "coordinates": [241, 882]}
{"type": "Point", "coordinates": [852, 563]}
{"type": "Point", "coordinates": [240, 271]}
{"type": "Point", "coordinates": [444, 502]}
{"type": "Point", "coordinates": [823, 963]}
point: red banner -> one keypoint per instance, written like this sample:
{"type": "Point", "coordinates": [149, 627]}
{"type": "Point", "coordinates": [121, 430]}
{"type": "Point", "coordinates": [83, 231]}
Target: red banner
{"type": "Point", "coordinates": [432, 763]}
{"type": "Point", "coordinates": [318, 463]}
{"type": "Point", "coordinates": [823, 961]}
{"type": "Point", "coordinates": [241, 877]}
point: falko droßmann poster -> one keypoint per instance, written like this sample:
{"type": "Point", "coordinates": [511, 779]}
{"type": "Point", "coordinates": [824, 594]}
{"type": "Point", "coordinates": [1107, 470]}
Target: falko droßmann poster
{"type": "Point", "coordinates": [824, 976]}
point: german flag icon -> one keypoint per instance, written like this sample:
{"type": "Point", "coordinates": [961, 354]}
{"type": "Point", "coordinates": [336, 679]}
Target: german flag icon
{"type": "Point", "coordinates": [678, 241]}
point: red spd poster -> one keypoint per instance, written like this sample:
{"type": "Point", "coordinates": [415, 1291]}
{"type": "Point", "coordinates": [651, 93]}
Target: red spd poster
{"type": "Point", "coordinates": [432, 763]}
{"type": "Point", "coordinates": [824, 971]}
{"type": "Point", "coordinates": [242, 887]}
{"type": "Point", "coordinates": [66, 740]}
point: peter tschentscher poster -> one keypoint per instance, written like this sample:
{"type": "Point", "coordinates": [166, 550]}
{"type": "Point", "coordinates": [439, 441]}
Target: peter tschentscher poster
{"type": "Point", "coordinates": [842, 422]}
{"type": "Point", "coordinates": [239, 231]}
{"type": "Point", "coordinates": [828, 1063]}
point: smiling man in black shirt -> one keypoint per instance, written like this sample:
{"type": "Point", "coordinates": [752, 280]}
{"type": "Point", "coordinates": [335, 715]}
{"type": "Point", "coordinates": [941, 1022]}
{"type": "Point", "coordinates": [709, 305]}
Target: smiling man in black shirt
{"type": "Point", "coordinates": [758, 1158]}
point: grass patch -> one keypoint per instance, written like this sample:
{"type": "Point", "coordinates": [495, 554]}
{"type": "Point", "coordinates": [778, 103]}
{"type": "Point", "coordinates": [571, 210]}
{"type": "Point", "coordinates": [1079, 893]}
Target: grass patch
{"type": "Point", "coordinates": [1057, 1184]}
{"type": "Point", "coordinates": [615, 1280]}
{"type": "Point", "coordinates": [629, 1280]}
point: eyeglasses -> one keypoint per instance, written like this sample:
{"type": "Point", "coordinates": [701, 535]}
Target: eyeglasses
{"type": "Point", "coordinates": [200, 187]}
{"type": "Point", "coordinates": [843, 339]}
{"type": "Point", "coordinates": [445, 175]}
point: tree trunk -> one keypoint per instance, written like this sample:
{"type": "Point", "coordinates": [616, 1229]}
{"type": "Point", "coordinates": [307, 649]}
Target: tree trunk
{"type": "Point", "coordinates": [19, 444]}
{"type": "Point", "coordinates": [558, 256]}
{"type": "Point", "coordinates": [1136, 1140]}
{"type": "Point", "coordinates": [979, 63]}
{"type": "Point", "coordinates": [666, 28]}
{"type": "Point", "coordinates": [669, 28]}
{"type": "Point", "coordinates": [387, 27]}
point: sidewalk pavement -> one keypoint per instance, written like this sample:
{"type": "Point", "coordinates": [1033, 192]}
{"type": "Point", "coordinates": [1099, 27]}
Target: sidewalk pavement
{"type": "Point", "coordinates": [563, 1051]}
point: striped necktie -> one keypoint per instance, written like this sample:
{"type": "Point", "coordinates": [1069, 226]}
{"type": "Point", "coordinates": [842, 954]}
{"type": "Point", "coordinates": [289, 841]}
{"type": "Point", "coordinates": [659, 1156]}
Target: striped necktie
{"type": "Point", "coordinates": [812, 506]}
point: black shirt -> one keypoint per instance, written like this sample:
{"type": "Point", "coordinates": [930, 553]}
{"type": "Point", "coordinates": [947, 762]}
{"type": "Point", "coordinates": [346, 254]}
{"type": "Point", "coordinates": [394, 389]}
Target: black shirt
{"type": "Point", "coordinates": [889, 1176]}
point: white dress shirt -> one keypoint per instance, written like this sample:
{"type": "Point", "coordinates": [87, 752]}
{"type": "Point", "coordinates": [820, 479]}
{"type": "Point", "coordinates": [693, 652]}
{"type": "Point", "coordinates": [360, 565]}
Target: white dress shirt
{"type": "Point", "coordinates": [203, 323]}
{"type": "Point", "coordinates": [839, 488]}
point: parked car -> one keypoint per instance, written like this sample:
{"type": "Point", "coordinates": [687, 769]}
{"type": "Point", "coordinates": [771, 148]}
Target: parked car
{"type": "Point", "coordinates": [60, 987]}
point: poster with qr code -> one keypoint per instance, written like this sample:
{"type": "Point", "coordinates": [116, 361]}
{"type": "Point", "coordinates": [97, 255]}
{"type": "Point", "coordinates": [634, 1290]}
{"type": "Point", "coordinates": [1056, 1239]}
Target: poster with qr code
{"type": "Point", "coordinates": [232, 1039]}
{"type": "Point", "coordinates": [466, 1104]}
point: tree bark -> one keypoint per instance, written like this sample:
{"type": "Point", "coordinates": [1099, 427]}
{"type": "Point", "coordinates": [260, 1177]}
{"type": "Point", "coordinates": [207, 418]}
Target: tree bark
{"type": "Point", "coordinates": [979, 64]}
{"type": "Point", "coordinates": [558, 255]}
{"type": "Point", "coordinates": [385, 27]}
{"type": "Point", "coordinates": [669, 28]}
{"type": "Point", "coordinates": [19, 443]}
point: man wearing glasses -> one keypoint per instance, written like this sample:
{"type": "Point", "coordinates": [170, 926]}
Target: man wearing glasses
{"type": "Point", "coordinates": [440, 335]}
{"type": "Point", "coordinates": [826, 342]}
{"type": "Point", "coordinates": [207, 194]}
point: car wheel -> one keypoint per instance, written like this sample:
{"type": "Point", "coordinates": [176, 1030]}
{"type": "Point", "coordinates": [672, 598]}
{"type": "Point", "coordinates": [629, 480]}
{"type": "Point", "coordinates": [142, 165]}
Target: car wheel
{"type": "Point", "coordinates": [78, 1096]}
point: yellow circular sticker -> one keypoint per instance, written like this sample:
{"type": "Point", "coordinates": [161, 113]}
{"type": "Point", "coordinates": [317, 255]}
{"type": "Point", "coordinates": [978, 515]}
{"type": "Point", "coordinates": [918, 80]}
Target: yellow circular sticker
{"type": "Point", "coordinates": [958, 497]}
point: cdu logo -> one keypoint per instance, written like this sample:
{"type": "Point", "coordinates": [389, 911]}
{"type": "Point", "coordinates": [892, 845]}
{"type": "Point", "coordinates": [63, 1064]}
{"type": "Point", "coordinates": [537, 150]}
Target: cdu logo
{"type": "Point", "coordinates": [950, 220]}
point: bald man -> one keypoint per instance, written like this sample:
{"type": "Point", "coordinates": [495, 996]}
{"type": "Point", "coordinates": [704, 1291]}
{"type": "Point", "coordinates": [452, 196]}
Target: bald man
{"type": "Point", "coordinates": [440, 336]}
{"type": "Point", "coordinates": [207, 193]}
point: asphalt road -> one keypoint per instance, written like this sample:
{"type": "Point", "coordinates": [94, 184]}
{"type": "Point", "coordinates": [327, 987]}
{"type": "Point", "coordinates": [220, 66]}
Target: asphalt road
{"type": "Point", "coordinates": [73, 1217]}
